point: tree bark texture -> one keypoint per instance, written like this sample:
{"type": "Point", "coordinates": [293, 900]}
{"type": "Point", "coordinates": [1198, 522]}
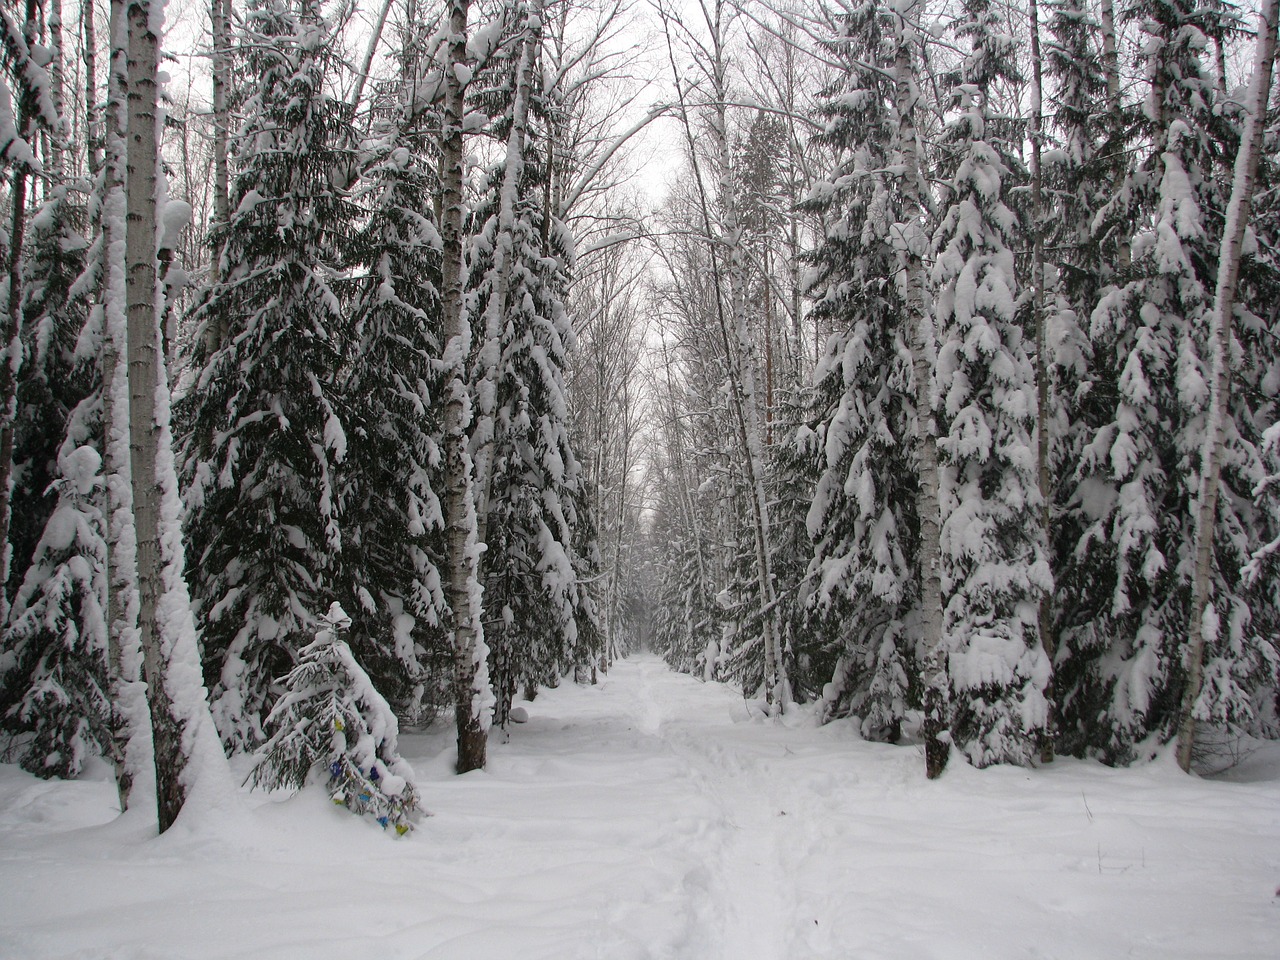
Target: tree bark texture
{"type": "Point", "coordinates": [146, 361]}
{"type": "Point", "coordinates": [473, 697]}
{"type": "Point", "coordinates": [1042, 351]}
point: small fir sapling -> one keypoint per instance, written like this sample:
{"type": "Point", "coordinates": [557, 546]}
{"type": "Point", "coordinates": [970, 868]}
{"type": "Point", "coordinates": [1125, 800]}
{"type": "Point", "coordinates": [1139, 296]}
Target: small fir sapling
{"type": "Point", "coordinates": [332, 718]}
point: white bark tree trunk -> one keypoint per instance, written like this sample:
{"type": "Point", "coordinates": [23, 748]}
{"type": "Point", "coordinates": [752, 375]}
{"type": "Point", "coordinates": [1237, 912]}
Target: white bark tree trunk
{"type": "Point", "coordinates": [57, 84]}
{"type": "Point", "coordinates": [220, 28]}
{"type": "Point", "coordinates": [370, 52]}
{"type": "Point", "coordinates": [1111, 70]}
{"type": "Point", "coordinates": [1220, 336]}
{"type": "Point", "coordinates": [92, 119]}
{"type": "Point", "coordinates": [131, 725]}
{"type": "Point", "coordinates": [741, 363]}
{"type": "Point", "coordinates": [187, 751]}
{"type": "Point", "coordinates": [473, 698]}
{"type": "Point", "coordinates": [1042, 351]}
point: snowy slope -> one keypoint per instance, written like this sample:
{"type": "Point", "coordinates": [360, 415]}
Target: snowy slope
{"type": "Point", "coordinates": [647, 817]}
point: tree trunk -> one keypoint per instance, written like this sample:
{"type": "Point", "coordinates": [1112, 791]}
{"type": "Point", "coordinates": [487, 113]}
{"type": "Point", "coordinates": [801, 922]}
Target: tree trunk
{"type": "Point", "coordinates": [220, 16]}
{"type": "Point", "coordinates": [473, 698]}
{"type": "Point", "coordinates": [145, 359]}
{"type": "Point", "coordinates": [740, 360]}
{"type": "Point", "coordinates": [1220, 330]}
{"type": "Point", "coordinates": [1111, 70]}
{"type": "Point", "coordinates": [1042, 352]}
{"type": "Point", "coordinates": [57, 87]}
{"type": "Point", "coordinates": [131, 726]}
{"type": "Point", "coordinates": [11, 331]}
{"type": "Point", "coordinates": [188, 755]}
{"type": "Point", "coordinates": [911, 245]}
{"type": "Point", "coordinates": [92, 119]}
{"type": "Point", "coordinates": [374, 39]}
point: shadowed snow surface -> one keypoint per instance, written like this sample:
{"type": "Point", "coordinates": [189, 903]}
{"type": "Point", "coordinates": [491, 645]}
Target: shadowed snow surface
{"type": "Point", "coordinates": [648, 817]}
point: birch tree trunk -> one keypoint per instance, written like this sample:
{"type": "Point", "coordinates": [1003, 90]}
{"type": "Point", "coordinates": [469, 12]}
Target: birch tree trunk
{"type": "Point", "coordinates": [370, 52]}
{"type": "Point", "coordinates": [57, 87]}
{"type": "Point", "coordinates": [1111, 70]}
{"type": "Point", "coordinates": [1220, 334]}
{"type": "Point", "coordinates": [741, 354]}
{"type": "Point", "coordinates": [131, 725]}
{"type": "Point", "coordinates": [1042, 351]}
{"type": "Point", "coordinates": [144, 359]}
{"type": "Point", "coordinates": [220, 27]}
{"type": "Point", "coordinates": [11, 325]}
{"type": "Point", "coordinates": [92, 119]}
{"type": "Point", "coordinates": [912, 243]}
{"type": "Point", "coordinates": [740, 358]}
{"type": "Point", "coordinates": [473, 697]}
{"type": "Point", "coordinates": [185, 745]}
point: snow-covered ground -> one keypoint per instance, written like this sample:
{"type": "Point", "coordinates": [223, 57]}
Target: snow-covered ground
{"type": "Point", "coordinates": [648, 817]}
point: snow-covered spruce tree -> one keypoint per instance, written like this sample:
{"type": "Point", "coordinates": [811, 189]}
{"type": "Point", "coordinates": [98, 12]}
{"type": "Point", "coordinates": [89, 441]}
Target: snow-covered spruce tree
{"type": "Point", "coordinates": [1260, 286]}
{"type": "Point", "coordinates": [52, 382]}
{"type": "Point", "coordinates": [1081, 171]}
{"type": "Point", "coordinates": [696, 531]}
{"type": "Point", "coordinates": [531, 565]}
{"type": "Point", "coordinates": [529, 477]}
{"type": "Point", "coordinates": [863, 517]}
{"type": "Point", "coordinates": [810, 638]}
{"type": "Point", "coordinates": [713, 208]}
{"type": "Point", "coordinates": [1142, 458]}
{"type": "Point", "coordinates": [27, 110]}
{"type": "Point", "coordinates": [54, 686]}
{"type": "Point", "coordinates": [54, 668]}
{"type": "Point", "coordinates": [389, 569]}
{"type": "Point", "coordinates": [686, 627]}
{"type": "Point", "coordinates": [992, 547]}
{"type": "Point", "coordinates": [589, 635]}
{"type": "Point", "coordinates": [332, 719]}
{"type": "Point", "coordinates": [262, 422]}
{"type": "Point", "coordinates": [1216, 677]}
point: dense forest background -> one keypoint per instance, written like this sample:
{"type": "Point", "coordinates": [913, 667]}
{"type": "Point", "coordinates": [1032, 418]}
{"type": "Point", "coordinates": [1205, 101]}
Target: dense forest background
{"type": "Point", "coordinates": [939, 389]}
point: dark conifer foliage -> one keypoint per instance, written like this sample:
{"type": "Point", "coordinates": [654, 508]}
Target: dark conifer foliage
{"type": "Point", "coordinates": [807, 403]}
{"type": "Point", "coordinates": [54, 694]}
{"type": "Point", "coordinates": [1140, 456]}
{"type": "Point", "coordinates": [388, 572]}
{"type": "Point", "coordinates": [863, 517]}
{"type": "Point", "coordinates": [263, 424]}
{"type": "Point", "coordinates": [532, 564]}
{"type": "Point", "coordinates": [53, 380]}
{"type": "Point", "coordinates": [519, 264]}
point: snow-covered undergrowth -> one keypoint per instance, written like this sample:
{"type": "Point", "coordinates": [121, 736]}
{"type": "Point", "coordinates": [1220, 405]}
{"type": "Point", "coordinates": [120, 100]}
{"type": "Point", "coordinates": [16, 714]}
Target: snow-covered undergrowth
{"type": "Point", "coordinates": [648, 817]}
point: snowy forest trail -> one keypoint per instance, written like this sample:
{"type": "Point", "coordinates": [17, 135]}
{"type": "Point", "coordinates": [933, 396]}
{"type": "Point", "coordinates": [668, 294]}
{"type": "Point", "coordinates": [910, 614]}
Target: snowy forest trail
{"type": "Point", "coordinates": [649, 818]}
